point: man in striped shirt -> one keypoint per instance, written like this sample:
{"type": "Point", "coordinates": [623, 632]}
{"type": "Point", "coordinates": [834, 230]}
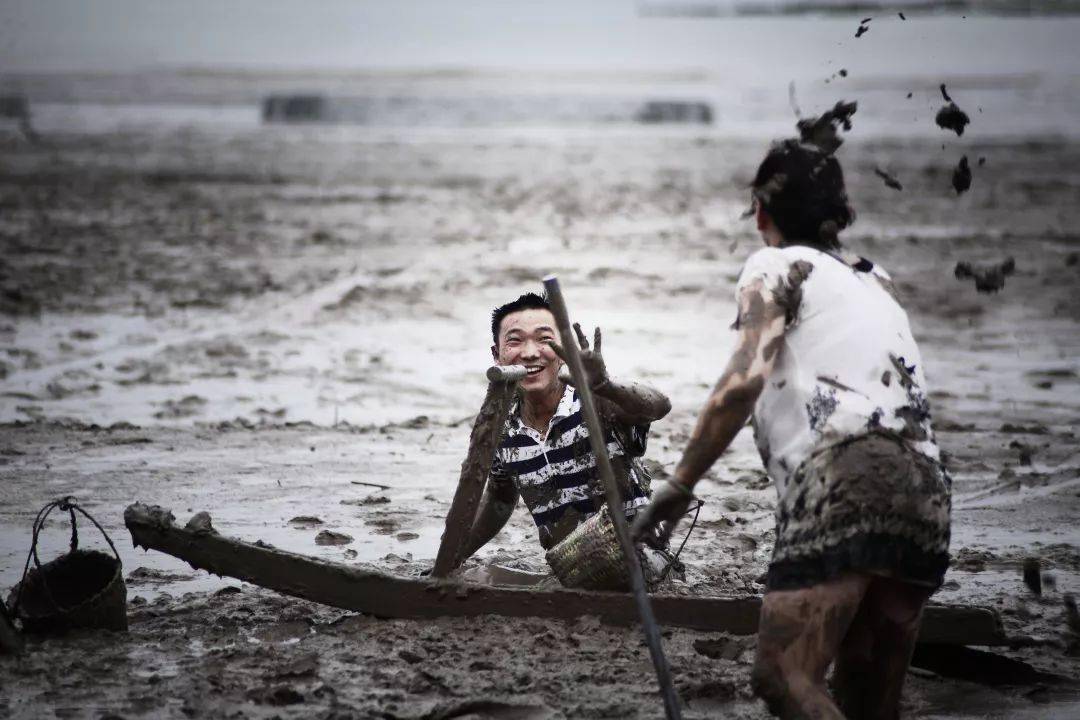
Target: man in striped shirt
{"type": "Point", "coordinates": [544, 456]}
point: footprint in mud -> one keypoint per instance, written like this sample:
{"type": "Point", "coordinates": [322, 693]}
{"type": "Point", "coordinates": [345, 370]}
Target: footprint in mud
{"type": "Point", "coordinates": [725, 647]}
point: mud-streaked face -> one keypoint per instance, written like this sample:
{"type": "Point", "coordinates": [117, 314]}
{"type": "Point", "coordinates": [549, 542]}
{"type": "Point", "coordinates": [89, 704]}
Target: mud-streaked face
{"type": "Point", "coordinates": [523, 338]}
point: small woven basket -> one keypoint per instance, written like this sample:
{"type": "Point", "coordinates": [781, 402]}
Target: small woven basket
{"type": "Point", "coordinates": [590, 557]}
{"type": "Point", "coordinates": [79, 589]}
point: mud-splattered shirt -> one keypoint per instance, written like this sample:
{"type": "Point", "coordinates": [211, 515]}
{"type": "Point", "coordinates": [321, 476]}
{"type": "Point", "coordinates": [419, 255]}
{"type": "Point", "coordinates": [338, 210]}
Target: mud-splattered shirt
{"type": "Point", "coordinates": [848, 366]}
{"type": "Point", "coordinates": [556, 475]}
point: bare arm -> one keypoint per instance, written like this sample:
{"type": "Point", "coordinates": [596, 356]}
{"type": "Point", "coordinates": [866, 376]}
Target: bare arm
{"type": "Point", "coordinates": [762, 321]}
{"type": "Point", "coordinates": [496, 507]}
{"type": "Point", "coordinates": [761, 326]}
{"type": "Point", "coordinates": [628, 403]}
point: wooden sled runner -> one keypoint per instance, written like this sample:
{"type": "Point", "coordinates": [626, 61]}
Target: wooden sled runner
{"type": "Point", "coordinates": [388, 596]}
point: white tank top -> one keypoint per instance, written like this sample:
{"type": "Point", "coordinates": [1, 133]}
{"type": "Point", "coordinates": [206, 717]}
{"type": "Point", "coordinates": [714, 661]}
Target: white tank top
{"type": "Point", "coordinates": [848, 364]}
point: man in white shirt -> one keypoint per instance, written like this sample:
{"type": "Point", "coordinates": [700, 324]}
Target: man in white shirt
{"type": "Point", "coordinates": [827, 368]}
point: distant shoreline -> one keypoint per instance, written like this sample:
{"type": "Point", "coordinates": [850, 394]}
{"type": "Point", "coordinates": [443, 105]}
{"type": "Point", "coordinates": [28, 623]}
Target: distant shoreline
{"type": "Point", "coordinates": [914, 8]}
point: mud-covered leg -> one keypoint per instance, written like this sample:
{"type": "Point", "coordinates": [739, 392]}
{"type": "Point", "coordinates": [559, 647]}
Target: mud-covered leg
{"type": "Point", "coordinates": [895, 609]}
{"type": "Point", "coordinates": [799, 635]}
{"type": "Point", "coordinates": [852, 673]}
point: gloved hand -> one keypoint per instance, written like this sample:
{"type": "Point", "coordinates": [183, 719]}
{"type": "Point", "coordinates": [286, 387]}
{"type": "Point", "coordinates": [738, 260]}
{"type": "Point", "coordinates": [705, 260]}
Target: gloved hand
{"type": "Point", "coordinates": [669, 503]}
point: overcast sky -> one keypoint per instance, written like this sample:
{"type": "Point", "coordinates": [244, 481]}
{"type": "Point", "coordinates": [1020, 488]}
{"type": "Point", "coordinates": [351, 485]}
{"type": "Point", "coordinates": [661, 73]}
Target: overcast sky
{"type": "Point", "coordinates": [564, 34]}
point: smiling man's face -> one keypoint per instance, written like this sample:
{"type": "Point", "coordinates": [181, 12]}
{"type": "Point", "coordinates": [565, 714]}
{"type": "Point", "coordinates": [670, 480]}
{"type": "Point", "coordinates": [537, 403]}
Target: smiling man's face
{"type": "Point", "coordinates": [523, 338]}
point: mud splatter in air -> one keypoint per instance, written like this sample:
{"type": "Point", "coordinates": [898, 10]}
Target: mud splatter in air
{"type": "Point", "coordinates": [961, 178]}
{"type": "Point", "coordinates": [950, 116]}
{"type": "Point", "coordinates": [890, 181]}
{"type": "Point", "coordinates": [988, 278]}
{"type": "Point", "coordinates": [822, 131]}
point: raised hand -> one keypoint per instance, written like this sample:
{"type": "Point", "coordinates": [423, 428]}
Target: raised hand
{"type": "Point", "coordinates": [591, 359]}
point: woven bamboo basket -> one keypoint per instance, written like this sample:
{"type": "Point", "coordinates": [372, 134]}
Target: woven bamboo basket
{"type": "Point", "coordinates": [590, 558]}
{"type": "Point", "coordinates": [80, 589]}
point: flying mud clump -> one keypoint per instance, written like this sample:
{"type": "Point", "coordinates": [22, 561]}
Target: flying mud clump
{"type": "Point", "coordinates": [890, 181]}
{"type": "Point", "coordinates": [961, 177]}
{"type": "Point", "coordinates": [864, 27]}
{"type": "Point", "coordinates": [822, 131]}
{"type": "Point", "coordinates": [950, 116]}
{"type": "Point", "coordinates": [988, 278]}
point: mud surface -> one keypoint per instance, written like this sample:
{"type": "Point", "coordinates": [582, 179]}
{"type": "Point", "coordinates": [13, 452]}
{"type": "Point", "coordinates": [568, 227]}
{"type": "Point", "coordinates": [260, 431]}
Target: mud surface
{"type": "Point", "coordinates": [291, 325]}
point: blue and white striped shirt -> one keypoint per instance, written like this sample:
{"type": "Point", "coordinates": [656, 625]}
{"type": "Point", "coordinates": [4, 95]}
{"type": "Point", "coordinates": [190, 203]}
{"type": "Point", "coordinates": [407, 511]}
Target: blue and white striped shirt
{"type": "Point", "coordinates": [556, 475]}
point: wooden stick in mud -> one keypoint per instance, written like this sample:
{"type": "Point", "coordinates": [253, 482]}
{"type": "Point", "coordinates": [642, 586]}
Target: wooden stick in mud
{"type": "Point", "coordinates": [389, 596]}
{"type": "Point", "coordinates": [614, 498]}
{"type": "Point", "coordinates": [487, 428]}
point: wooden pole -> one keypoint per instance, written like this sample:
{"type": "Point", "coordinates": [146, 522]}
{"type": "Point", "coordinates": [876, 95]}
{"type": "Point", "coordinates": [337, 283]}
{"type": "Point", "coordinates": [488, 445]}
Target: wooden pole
{"type": "Point", "coordinates": [487, 429]}
{"type": "Point", "coordinates": [360, 589]}
{"type": "Point", "coordinates": [614, 499]}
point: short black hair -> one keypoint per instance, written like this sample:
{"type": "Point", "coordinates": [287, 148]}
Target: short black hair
{"type": "Point", "coordinates": [802, 190]}
{"type": "Point", "coordinates": [528, 301]}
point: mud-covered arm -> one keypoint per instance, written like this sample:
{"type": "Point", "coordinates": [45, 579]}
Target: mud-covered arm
{"type": "Point", "coordinates": [629, 403]}
{"type": "Point", "coordinates": [632, 403]}
{"type": "Point", "coordinates": [761, 325]}
{"type": "Point", "coordinates": [496, 506]}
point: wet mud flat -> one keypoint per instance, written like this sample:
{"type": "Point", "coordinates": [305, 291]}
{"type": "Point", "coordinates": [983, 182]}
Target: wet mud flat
{"type": "Point", "coordinates": [249, 323]}
{"type": "Point", "coordinates": [200, 646]}
{"type": "Point", "coordinates": [249, 653]}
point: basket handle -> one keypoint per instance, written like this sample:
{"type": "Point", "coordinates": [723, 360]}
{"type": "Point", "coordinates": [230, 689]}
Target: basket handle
{"type": "Point", "coordinates": [69, 504]}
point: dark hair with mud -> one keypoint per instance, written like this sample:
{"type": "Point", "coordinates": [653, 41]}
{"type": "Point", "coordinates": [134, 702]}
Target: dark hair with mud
{"type": "Point", "coordinates": [802, 190]}
{"type": "Point", "coordinates": [528, 301]}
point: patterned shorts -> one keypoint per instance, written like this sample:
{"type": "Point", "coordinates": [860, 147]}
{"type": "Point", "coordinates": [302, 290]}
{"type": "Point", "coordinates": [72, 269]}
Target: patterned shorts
{"type": "Point", "coordinates": [868, 505]}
